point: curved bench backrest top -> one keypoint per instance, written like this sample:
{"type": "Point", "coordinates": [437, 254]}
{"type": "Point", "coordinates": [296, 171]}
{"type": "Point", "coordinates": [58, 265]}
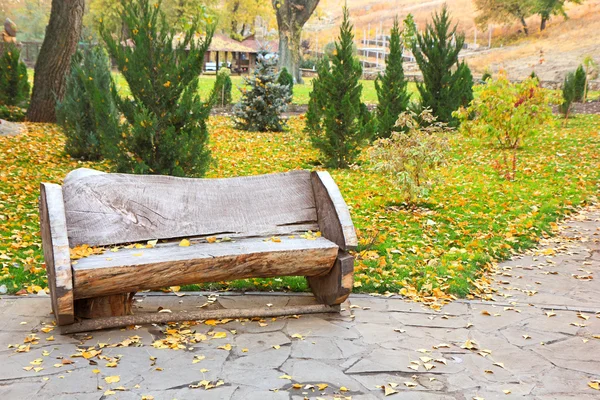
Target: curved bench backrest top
{"type": "Point", "coordinates": [104, 209]}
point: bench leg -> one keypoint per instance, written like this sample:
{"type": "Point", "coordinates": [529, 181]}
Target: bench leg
{"type": "Point", "coordinates": [104, 306]}
{"type": "Point", "coordinates": [336, 286]}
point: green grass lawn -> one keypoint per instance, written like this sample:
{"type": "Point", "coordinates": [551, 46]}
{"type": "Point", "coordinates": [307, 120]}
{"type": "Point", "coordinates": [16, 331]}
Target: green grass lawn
{"type": "Point", "coordinates": [471, 219]}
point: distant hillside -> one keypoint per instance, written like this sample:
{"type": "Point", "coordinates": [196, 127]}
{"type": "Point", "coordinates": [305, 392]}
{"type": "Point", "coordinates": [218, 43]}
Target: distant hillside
{"type": "Point", "coordinates": [561, 46]}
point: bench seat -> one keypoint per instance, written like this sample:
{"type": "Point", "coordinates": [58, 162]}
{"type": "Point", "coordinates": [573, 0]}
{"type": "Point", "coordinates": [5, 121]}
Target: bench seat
{"type": "Point", "coordinates": [168, 264]}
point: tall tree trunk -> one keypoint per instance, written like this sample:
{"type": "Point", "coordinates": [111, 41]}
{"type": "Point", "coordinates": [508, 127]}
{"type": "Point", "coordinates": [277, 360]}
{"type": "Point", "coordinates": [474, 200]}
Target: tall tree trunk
{"type": "Point", "coordinates": [525, 28]}
{"type": "Point", "coordinates": [54, 60]}
{"type": "Point", "coordinates": [291, 17]}
{"type": "Point", "coordinates": [543, 23]}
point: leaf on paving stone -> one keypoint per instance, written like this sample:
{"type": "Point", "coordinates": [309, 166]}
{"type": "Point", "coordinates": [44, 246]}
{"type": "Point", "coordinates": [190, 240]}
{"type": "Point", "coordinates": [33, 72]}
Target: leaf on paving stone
{"type": "Point", "coordinates": [225, 347]}
{"type": "Point", "coordinates": [344, 389]}
{"type": "Point", "coordinates": [57, 365]}
{"type": "Point", "coordinates": [111, 364]}
{"type": "Point", "coordinates": [184, 243]}
{"type": "Point", "coordinates": [410, 384]}
{"type": "Point", "coordinates": [28, 368]}
{"type": "Point", "coordinates": [95, 371]}
{"type": "Point", "coordinates": [165, 310]}
{"type": "Point", "coordinates": [109, 392]}
{"type": "Point", "coordinates": [526, 337]}
{"type": "Point", "coordinates": [506, 391]}
{"type": "Point", "coordinates": [424, 351]}
{"type": "Point", "coordinates": [285, 377]}
{"type": "Point", "coordinates": [429, 367]}
{"type": "Point", "coordinates": [297, 386]}
{"type": "Point", "coordinates": [584, 317]}
{"type": "Point", "coordinates": [485, 312]}
{"type": "Point", "coordinates": [425, 359]}
{"type": "Point", "coordinates": [244, 350]}
{"type": "Point", "coordinates": [442, 346]}
{"type": "Point", "coordinates": [220, 335]}
{"type": "Point", "coordinates": [298, 336]}
{"type": "Point", "coordinates": [470, 345]}
{"type": "Point", "coordinates": [147, 397]}
{"type": "Point", "coordinates": [322, 386]}
{"type": "Point", "coordinates": [550, 314]}
{"type": "Point", "coordinates": [413, 367]}
{"type": "Point", "coordinates": [393, 385]}
{"type": "Point", "coordinates": [38, 369]}
{"type": "Point", "coordinates": [399, 330]}
{"type": "Point", "coordinates": [203, 370]}
{"type": "Point", "coordinates": [276, 346]}
{"type": "Point", "coordinates": [354, 306]}
{"type": "Point", "coordinates": [594, 385]}
{"type": "Point", "coordinates": [262, 324]}
{"type": "Point", "coordinates": [388, 391]}
{"type": "Point", "coordinates": [499, 364]}
{"type": "Point", "coordinates": [488, 371]}
{"type": "Point", "coordinates": [441, 361]}
{"type": "Point", "coordinates": [112, 379]}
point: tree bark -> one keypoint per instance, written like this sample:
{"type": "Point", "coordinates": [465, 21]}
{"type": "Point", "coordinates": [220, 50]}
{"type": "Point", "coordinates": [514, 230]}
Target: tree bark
{"type": "Point", "coordinates": [525, 28]}
{"type": "Point", "coordinates": [291, 17]}
{"type": "Point", "coordinates": [54, 61]}
{"type": "Point", "coordinates": [543, 23]}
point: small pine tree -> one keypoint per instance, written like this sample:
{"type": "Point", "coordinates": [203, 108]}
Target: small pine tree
{"type": "Point", "coordinates": [286, 79]}
{"type": "Point", "coordinates": [409, 31]}
{"type": "Point", "coordinates": [568, 94]}
{"type": "Point", "coordinates": [14, 86]}
{"type": "Point", "coordinates": [337, 121]}
{"type": "Point", "coordinates": [487, 74]}
{"type": "Point", "coordinates": [533, 75]}
{"type": "Point", "coordinates": [580, 83]}
{"type": "Point", "coordinates": [165, 129]}
{"type": "Point", "coordinates": [221, 93]}
{"type": "Point", "coordinates": [436, 51]}
{"type": "Point", "coordinates": [87, 108]}
{"type": "Point", "coordinates": [391, 89]}
{"type": "Point", "coordinates": [261, 105]}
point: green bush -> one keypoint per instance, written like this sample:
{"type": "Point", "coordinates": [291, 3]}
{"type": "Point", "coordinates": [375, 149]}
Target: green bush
{"type": "Point", "coordinates": [164, 128]}
{"type": "Point", "coordinates": [411, 154]}
{"type": "Point", "coordinates": [486, 75]}
{"type": "Point", "coordinates": [580, 83]}
{"type": "Point", "coordinates": [569, 94]}
{"type": "Point", "coordinates": [391, 88]}
{"type": "Point", "coordinates": [286, 79]}
{"type": "Point", "coordinates": [87, 107]}
{"type": "Point", "coordinates": [447, 83]}
{"type": "Point", "coordinates": [262, 104]}
{"type": "Point", "coordinates": [221, 93]}
{"type": "Point", "coordinates": [507, 114]}
{"type": "Point", "coordinates": [14, 86]}
{"type": "Point", "coordinates": [12, 113]}
{"type": "Point", "coordinates": [337, 122]}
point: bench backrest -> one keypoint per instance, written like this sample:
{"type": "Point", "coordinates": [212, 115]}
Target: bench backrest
{"type": "Point", "coordinates": [104, 209]}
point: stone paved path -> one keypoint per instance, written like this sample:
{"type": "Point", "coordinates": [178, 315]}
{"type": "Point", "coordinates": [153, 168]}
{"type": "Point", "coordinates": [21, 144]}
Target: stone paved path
{"type": "Point", "coordinates": [540, 339]}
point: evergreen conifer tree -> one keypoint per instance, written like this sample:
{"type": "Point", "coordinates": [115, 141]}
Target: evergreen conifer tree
{"type": "Point", "coordinates": [569, 92]}
{"type": "Point", "coordinates": [14, 86]}
{"type": "Point", "coordinates": [221, 93]}
{"type": "Point", "coordinates": [165, 128]}
{"type": "Point", "coordinates": [261, 105]}
{"type": "Point", "coordinates": [286, 79]}
{"type": "Point", "coordinates": [436, 51]}
{"type": "Point", "coordinates": [87, 112]}
{"type": "Point", "coordinates": [337, 121]}
{"type": "Point", "coordinates": [391, 88]}
{"type": "Point", "coordinates": [580, 83]}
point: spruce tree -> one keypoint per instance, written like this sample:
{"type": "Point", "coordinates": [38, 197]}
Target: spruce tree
{"type": "Point", "coordinates": [391, 88]}
{"type": "Point", "coordinates": [87, 112]}
{"type": "Point", "coordinates": [221, 93]}
{"type": "Point", "coordinates": [337, 121]}
{"type": "Point", "coordinates": [14, 86]}
{"type": "Point", "coordinates": [436, 51]}
{"type": "Point", "coordinates": [261, 105]}
{"type": "Point", "coordinates": [165, 129]}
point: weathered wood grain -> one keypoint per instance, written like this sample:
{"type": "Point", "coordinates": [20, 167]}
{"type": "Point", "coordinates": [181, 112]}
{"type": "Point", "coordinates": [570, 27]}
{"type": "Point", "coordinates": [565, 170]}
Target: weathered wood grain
{"type": "Point", "coordinates": [116, 305]}
{"type": "Point", "coordinates": [335, 286]}
{"type": "Point", "coordinates": [334, 218]}
{"type": "Point", "coordinates": [56, 252]}
{"type": "Point", "coordinates": [133, 270]}
{"type": "Point", "coordinates": [163, 318]}
{"type": "Point", "coordinates": [103, 209]}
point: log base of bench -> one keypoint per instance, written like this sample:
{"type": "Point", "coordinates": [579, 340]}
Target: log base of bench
{"type": "Point", "coordinates": [161, 318]}
{"type": "Point", "coordinates": [117, 305]}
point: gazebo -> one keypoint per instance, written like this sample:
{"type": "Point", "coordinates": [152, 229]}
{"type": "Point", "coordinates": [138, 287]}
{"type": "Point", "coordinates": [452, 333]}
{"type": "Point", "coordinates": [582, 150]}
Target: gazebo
{"type": "Point", "coordinates": [243, 57]}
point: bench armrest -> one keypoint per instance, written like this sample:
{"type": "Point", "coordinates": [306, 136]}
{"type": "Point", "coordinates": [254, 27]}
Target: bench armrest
{"type": "Point", "coordinates": [55, 243]}
{"type": "Point", "coordinates": [333, 216]}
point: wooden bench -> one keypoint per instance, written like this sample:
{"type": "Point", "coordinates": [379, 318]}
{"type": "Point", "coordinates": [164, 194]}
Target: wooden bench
{"type": "Point", "coordinates": [245, 227]}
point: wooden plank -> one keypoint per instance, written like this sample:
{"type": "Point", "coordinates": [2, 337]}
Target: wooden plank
{"type": "Point", "coordinates": [56, 252]}
{"type": "Point", "coordinates": [336, 285]}
{"type": "Point", "coordinates": [104, 306]}
{"type": "Point", "coordinates": [163, 318]}
{"type": "Point", "coordinates": [105, 209]}
{"type": "Point", "coordinates": [334, 218]}
{"type": "Point", "coordinates": [133, 270]}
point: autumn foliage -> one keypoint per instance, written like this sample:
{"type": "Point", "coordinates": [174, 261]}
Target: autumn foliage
{"type": "Point", "coordinates": [14, 86]}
